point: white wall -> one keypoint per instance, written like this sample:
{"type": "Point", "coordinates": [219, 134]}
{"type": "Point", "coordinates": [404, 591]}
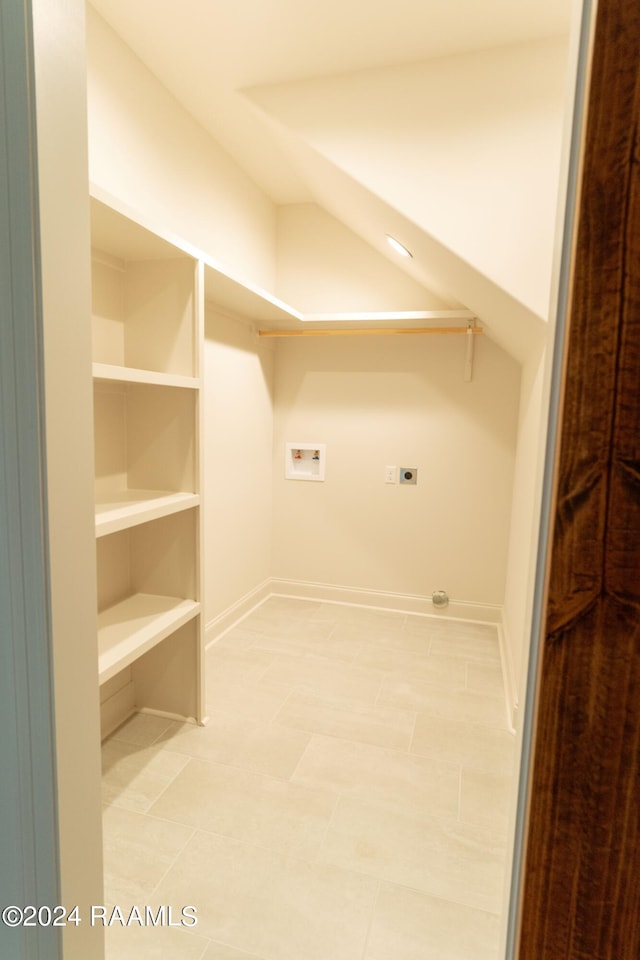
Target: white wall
{"type": "Point", "coordinates": [534, 405]}
{"type": "Point", "coordinates": [323, 267]}
{"type": "Point", "coordinates": [378, 401]}
{"type": "Point", "coordinates": [466, 147]}
{"type": "Point", "coordinates": [238, 436]}
{"type": "Point", "coordinates": [145, 149]}
{"type": "Point", "coordinates": [64, 224]}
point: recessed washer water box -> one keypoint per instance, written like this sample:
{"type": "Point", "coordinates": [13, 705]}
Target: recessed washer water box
{"type": "Point", "coordinates": [305, 461]}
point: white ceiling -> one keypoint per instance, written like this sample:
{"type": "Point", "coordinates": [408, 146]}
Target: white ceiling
{"type": "Point", "coordinates": [222, 60]}
{"type": "Point", "coordinates": [207, 51]}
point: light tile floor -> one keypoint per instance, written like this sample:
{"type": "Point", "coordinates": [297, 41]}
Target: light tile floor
{"type": "Point", "coordinates": [348, 799]}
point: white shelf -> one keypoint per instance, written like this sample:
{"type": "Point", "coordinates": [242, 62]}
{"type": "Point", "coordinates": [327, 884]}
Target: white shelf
{"type": "Point", "coordinates": [121, 231]}
{"type": "Point", "coordinates": [124, 232]}
{"type": "Point", "coordinates": [241, 297]}
{"type": "Point", "coordinates": [127, 508]}
{"type": "Point", "coordinates": [403, 316]}
{"type": "Point", "coordinates": [132, 627]}
{"type": "Point", "coordinates": [109, 371]}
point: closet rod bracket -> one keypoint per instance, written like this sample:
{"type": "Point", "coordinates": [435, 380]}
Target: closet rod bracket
{"type": "Point", "coordinates": [468, 359]}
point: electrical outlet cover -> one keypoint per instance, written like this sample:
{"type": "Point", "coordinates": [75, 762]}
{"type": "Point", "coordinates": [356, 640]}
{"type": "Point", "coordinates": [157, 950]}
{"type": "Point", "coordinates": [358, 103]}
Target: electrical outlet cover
{"type": "Point", "coordinates": [408, 474]}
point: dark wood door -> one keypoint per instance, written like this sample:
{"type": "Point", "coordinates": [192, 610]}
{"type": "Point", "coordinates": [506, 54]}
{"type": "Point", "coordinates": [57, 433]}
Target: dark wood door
{"type": "Point", "coordinates": [581, 895]}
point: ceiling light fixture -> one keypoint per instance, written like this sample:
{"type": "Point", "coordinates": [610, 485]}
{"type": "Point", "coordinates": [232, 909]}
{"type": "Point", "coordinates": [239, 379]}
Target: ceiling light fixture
{"type": "Point", "coordinates": [398, 247]}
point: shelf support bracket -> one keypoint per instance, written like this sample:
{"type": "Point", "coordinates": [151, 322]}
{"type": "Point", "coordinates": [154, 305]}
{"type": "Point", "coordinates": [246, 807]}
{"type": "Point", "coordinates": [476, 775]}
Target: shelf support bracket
{"type": "Point", "coordinates": [468, 359]}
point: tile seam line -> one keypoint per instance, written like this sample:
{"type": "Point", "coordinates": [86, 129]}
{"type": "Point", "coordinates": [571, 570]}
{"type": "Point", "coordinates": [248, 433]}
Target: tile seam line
{"type": "Point", "coordinates": [425, 893]}
{"type": "Point", "coordinates": [374, 907]}
{"type": "Point", "coordinates": [401, 754]}
{"type": "Point", "coordinates": [283, 854]}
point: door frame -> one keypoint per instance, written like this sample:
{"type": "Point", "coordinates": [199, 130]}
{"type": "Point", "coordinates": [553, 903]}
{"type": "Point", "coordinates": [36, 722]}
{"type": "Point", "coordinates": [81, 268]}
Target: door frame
{"type": "Point", "coordinates": [26, 703]}
{"type": "Point", "coordinates": [30, 854]}
{"type": "Point", "coordinates": [580, 67]}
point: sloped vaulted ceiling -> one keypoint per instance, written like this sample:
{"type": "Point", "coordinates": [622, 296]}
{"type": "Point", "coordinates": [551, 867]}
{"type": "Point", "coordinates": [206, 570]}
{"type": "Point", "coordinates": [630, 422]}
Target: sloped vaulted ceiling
{"type": "Point", "coordinates": [439, 121]}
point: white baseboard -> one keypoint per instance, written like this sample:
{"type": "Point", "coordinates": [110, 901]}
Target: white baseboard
{"type": "Point", "coordinates": [381, 600]}
{"type": "Point", "coordinates": [508, 673]}
{"type": "Point", "coordinates": [116, 709]}
{"type": "Point", "coordinates": [230, 617]}
{"type": "Point", "coordinates": [167, 715]}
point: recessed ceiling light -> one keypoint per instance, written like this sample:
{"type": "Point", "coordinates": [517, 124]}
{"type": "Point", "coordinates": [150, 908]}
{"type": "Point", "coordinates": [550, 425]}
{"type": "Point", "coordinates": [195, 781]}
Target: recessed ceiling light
{"type": "Point", "coordinates": [398, 247]}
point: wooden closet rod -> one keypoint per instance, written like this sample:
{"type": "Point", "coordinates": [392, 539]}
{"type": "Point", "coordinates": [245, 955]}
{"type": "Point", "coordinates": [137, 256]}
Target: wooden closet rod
{"type": "Point", "coordinates": [368, 332]}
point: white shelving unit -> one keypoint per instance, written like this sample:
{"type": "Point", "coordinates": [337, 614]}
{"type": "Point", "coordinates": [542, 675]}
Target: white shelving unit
{"type": "Point", "coordinates": [149, 288]}
{"type": "Point", "coordinates": [147, 321]}
{"type": "Point", "coordinates": [129, 628]}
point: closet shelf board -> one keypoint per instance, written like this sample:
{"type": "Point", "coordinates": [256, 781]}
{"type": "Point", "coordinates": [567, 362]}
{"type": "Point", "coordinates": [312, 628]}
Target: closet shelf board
{"type": "Point", "coordinates": [132, 627]}
{"type": "Point", "coordinates": [109, 371]}
{"type": "Point", "coordinates": [128, 508]}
